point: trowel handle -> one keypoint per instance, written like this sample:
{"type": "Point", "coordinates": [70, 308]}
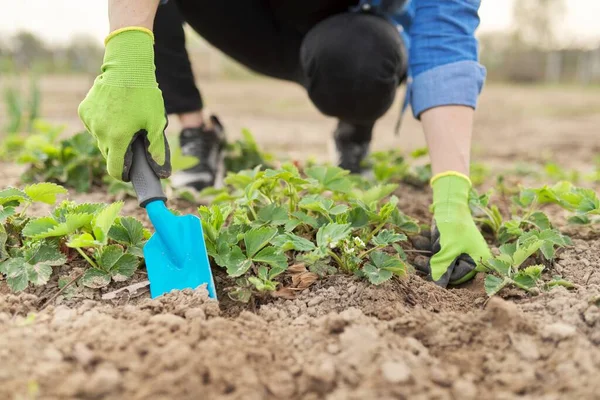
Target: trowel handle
{"type": "Point", "coordinates": [145, 182]}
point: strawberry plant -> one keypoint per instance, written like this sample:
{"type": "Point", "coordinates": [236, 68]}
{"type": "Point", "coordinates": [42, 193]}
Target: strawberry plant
{"type": "Point", "coordinates": [31, 247]}
{"type": "Point", "coordinates": [265, 219]}
{"type": "Point", "coordinates": [505, 269]}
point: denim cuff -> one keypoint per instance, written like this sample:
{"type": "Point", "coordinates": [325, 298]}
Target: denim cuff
{"type": "Point", "coordinates": [458, 83]}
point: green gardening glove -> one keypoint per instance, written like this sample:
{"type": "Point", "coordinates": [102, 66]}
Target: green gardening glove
{"type": "Point", "coordinates": [125, 102]}
{"type": "Point", "coordinates": [457, 243]}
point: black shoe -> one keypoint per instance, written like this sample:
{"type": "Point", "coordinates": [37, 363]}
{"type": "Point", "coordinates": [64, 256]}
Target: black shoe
{"type": "Point", "coordinates": [207, 146]}
{"type": "Point", "coordinates": [352, 145]}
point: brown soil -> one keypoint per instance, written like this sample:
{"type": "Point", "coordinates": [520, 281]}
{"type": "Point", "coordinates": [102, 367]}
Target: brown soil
{"type": "Point", "coordinates": [342, 338]}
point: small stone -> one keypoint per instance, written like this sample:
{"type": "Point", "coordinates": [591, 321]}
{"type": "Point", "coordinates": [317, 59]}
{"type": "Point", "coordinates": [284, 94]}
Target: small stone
{"type": "Point", "coordinates": [464, 389]}
{"type": "Point", "coordinates": [421, 262]}
{"type": "Point", "coordinates": [351, 289]}
{"type": "Point", "coordinates": [333, 348]}
{"type": "Point", "coordinates": [421, 242]}
{"type": "Point", "coordinates": [396, 371]}
{"type": "Point", "coordinates": [83, 354]}
{"type": "Point", "coordinates": [62, 315]}
{"type": "Point", "coordinates": [315, 301]}
{"type": "Point", "coordinates": [195, 313]}
{"type": "Point", "coordinates": [559, 331]}
{"type": "Point", "coordinates": [440, 377]}
{"type": "Point", "coordinates": [103, 381]}
{"type": "Point", "coordinates": [52, 354]}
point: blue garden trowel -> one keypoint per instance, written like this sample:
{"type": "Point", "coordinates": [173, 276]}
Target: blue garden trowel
{"type": "Point", "coordinates": [176, 256]}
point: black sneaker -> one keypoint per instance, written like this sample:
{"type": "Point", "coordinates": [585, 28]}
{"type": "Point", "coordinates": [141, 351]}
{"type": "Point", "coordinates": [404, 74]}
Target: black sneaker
{"type": "Point", "coordinates": [352, 145]}
{"type": "Point", "coordinates": [207, 146]}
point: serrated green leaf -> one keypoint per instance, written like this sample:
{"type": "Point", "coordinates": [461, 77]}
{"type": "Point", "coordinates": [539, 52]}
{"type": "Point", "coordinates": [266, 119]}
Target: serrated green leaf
{"type": "Point", "coordinates": [6, 212]}
{"type": "Point", "coordinates": [257, 238]}
{"type": "Point", "coordinates": [236, 262]}
{"type": "Point", "coordinates": [500, 266]}
{"type": "Point", "coordinates": [358, 217]}
{"type": "Point", "coordinates": [493, 284]}
{"type": "Point", "coordinates": [404, 222]}
{"type": "Point", "coordinates": [547, 249]}
{"type": "Point", "coordinates": [95, 278]}
{"type": "Point", "coordinates": [376, 275]}
{"type": "Point", "coordinates": [124, 268]}
{"type": "Point", "coordinates": [375, 194]}
{"type": "Point", "coordinates": [330, 234]}
{"type": "Point", "coordinates": [316, 203]}
{"type": "Point", "coordinates": [306, 219]}
{"type": "Point", "coordinates": [44, 192]}
{"type": "Point", "coordinates": [16, 273]}
{"type": "Point", "coordinates": [105, 220]}
{"type": "Point", "coordinates": [273, 214]}
{"type": "Point", "coordinates": [386, 237]}
{"type": "Point", "coordinates": [288, 241]}
{"type": "Point", "coordinates": [128, 231]}
{"type": "Point", "coordinates": [39, 226]}
{"type": "Point", "coordinates": [73, 223]}
{"type": "Point", "coordinates": [83, 240]}
{"type": "Point", "coordinates": [271, 256]}
{"type": "Point", "coordinates": [540, 220]}
{"type": "Point", "coordinates": [339, 209]}
{"type": "Point", "coordinates": [534, 271]}
{"type": "Point", "coordinates": [108, 256]}
{"type": "Point", "coordinates": [525, 250]}
{"type": "Point", "coordinates": [331, 178]}
{"type": "Point", "coordinates": [10, 194]}
{"type": "Point", "coordinates": [44, 253]}
{"type": "Point", "coordinates": [524, 282]}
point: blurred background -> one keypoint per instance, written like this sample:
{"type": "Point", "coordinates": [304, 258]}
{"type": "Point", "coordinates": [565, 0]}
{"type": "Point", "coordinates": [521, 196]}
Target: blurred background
{"type": "Point", "coordinates": [543, 87]}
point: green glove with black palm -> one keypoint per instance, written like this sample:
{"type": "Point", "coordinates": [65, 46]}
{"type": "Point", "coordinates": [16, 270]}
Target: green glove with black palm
{"type": "Point", "coordinates": [457, 243]}
{"type": "Point", "coordinates": [125, 102]}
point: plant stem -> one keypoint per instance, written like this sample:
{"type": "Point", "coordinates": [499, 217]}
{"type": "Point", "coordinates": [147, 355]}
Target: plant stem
{"type": "Point", "coordinates": [89, 260]}
{"type": "Point", "coordinates": [22, 213]}
{"type": "Point", "coordinates": [51, 299]}
{"type": "Point", "coordinates": [375, 231]}
{"type": "Point", "coordinates": [336, 258]}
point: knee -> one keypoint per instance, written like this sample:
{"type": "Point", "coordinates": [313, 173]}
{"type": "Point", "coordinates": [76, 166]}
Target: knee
{"type": "Point", "coordinates": [353, 64]}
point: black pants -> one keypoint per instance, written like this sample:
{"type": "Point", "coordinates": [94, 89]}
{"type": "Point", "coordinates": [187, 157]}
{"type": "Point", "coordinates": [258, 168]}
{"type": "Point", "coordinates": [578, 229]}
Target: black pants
{"type": "Point", "coordinates": [350, 64]}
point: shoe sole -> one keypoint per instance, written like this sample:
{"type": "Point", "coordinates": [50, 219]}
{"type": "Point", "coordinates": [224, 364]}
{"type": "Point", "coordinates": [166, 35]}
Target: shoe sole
{"type": "Point", "coordinates": [333, 157]}
{"type": "Point", "coordinates": [182, 179]}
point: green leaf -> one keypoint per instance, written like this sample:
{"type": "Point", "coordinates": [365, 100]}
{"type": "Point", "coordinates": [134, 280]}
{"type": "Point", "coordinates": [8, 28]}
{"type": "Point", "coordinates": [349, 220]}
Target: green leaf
{"type": "Point", "coordinates": [83, 240]}
{"type": "Point", "coordinates": [525, 250]}
{"type": "Point", "coordinates": [493, 284]}
{"type": "Point", "coordinates": [44, 192]}
{"type": "Point", "coordinates": [502, 267]}
{"type": "Point", "coordinates": [331, 178]}
{"type": "Point", "coordinates": [95, 278]}
{"type": "Point", "coordinates": [524, 282]}
{"type": "Point", "coordinates": [236, 263]}
{"type": "Point", "coordinates": [6, 212]}
{"type": "Point", "coordinates": [385, 261]}
{"type": "Point", "coordinates": [105, 220]}
{"type": "Point", "coordinates": [331, 234]}
{"type": "Point", "coordinates": [375, 194]}
{"type": "Point", "coordinates": [128, 231]}
{"type": "Point", "coordinates": [306, 219]}
{"type": "Point", "coordinates": [540, 220]}
{"type": "Point", "coordinates": [272, 256]}
{"type": "Point", "coordinates": [547, 249]}
{"type": "Point", "coordinates": [124, 268]}
{"type": "Point", "coordinates": [16, 273]}
{"type": "Point", "coordinates": [257, 238]}
{"type": "Point", "coordinates": [404, 223]}
{"type": "Point", "coordinates": [10, 195]}
{"type": "Point", "coordinates": [339, 209]}
{"type": "Point", "coordinates": [262, 286]}
{"type": "Point", "coordinates": [534, 271]}
{"type": "Point", "coordinates": [559, 281]}
{"type": "Point", "coordinates": [358, 217]}
{"type": "Point", "coordinates": [39, 226]}
{"type": "Point", "coordinates": [108, 256]}
{"type": "Point", "coordinates": [376, 275]}
{"type": "Point", "coordinates": [316, 203]}
{"type": "Point", "coordinates": [386, 237]}
{"type": "Point", "coordinates": [288, 241]}
{"type": "Point", "coordinates": [273, 214]}
{"type": "Point", "coordinates": [44, 253]}
{"type": "Point", "coordinates": [71, 225]}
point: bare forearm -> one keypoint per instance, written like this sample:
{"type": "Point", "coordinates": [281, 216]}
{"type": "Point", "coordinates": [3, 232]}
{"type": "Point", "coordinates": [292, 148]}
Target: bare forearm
{"type": "Point", "coordinates": [125, 13]}
{"type": "Point", "coordinates": [448, 131]}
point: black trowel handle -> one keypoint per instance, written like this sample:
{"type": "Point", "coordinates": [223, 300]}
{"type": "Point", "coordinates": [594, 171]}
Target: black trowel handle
{"type": "Point", "coordinates": [145, 182]}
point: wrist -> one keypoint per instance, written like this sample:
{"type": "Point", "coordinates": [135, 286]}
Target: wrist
{"type": "Point", "coordinates": [129, 58]}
